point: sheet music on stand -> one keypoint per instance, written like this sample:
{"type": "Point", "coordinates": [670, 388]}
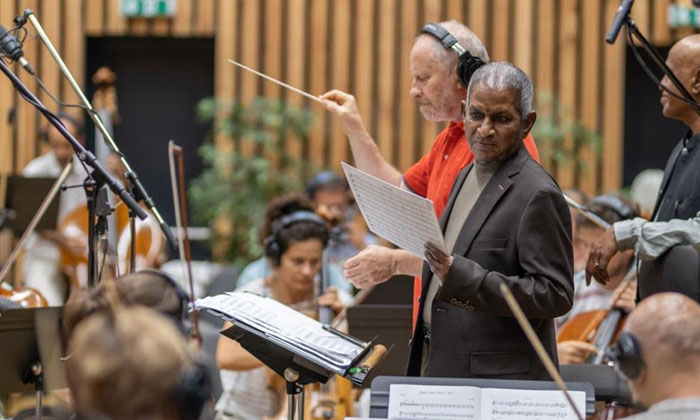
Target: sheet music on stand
{"type": "Point", "coordinates": [288, 329]}
{"type": "Point", "coordinates": [401, 217]}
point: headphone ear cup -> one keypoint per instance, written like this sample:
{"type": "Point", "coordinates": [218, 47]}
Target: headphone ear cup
{"type": "Point", "coordinates": [272, 249]}
{"type": "Point", "coordinates": [466, 66]}
{"type": "Point", "coordinates": [193, 391]}
{"type": "Point", "coordinates": [627, 353]}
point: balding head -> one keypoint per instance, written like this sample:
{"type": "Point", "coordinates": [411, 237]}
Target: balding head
{"type": "Point", "coordinates": [667, 326]}
{"type": "Point", "coordinates": [684, 61]}
{"type": "Point", "coordinates": [465, 37]}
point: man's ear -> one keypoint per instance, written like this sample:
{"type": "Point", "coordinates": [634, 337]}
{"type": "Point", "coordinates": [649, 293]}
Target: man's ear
{"type": "Point", "coordinates": [695, 83]}
{"type": "Point", "coordinates": [528, 122]}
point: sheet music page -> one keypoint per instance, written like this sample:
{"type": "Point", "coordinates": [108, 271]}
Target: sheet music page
{"type": "Point", "coordinates": [399, 216]}
{"type": "Point", "coordinates": [284, 326]}
{"type": "Point", "coordinates": [518, 404]}
{"type": "Point", "coordinates": [434, 402]}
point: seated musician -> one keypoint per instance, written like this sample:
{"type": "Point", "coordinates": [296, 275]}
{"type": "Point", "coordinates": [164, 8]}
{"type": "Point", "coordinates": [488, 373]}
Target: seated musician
{"type": "Point", "coordinates": [594, 297]}
{"type": "Point", "coordinates": [295, 241]}
{"type": "Point", "coordinates": [659, 353]}
{"type": "Point", "coordinates": [130, 364]}
{"type": "Point", "coordinates": [41, 267]}
{"type": "Point", "coordinates": [150, 288]}
{"type": "Point", "coordinates": [331, 196]}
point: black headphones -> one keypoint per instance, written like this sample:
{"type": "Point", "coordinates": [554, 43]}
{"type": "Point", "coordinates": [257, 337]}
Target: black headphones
{"type": "Point", "coordinates": [467, 64]}
{"type": "Point", "coordinates": [617, 205]}
{"type": "Point", "coordinates": [179, 291]}
{"type": "Point", "coordinates": [272, 244]}
{"type": "Point", "coordinates": [627, 355]}
{"type": "Point", "coordinates": [191, 394]}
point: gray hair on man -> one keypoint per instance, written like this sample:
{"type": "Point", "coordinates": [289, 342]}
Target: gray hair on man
{"type": "Point", "coordinates": [502, 75]}
{"type": "Point", "coordinates": [466, 39]}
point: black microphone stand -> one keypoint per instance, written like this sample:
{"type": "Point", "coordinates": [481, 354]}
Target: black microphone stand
{"type": "Point", "coordinates": [633, 30]}
{"type": "Point", "coordinates": [136, 187]}
{"type": "Point", "coordinates": [97, 179]}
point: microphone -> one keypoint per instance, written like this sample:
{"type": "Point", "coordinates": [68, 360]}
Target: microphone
{"type": "Point", "coordinates": [622, 12]}
{"type": "Point", "coordinates": [13, 49]}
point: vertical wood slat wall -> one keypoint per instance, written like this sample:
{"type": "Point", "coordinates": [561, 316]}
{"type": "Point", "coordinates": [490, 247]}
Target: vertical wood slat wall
{"type": "Point", "coordinates": [361, 46]}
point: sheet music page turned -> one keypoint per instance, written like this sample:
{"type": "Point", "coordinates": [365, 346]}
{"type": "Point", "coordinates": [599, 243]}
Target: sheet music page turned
{"type": "Point", "coordinates": [443, 402]}
{"type": "Point", "coordinates": [399, 216]}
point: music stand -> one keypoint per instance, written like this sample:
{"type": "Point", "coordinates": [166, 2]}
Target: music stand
{"type": "Point", "coordinates": [24, 197]}
{"type": "Point", "coordinates": [296, 370]}
{"type": "Point", "coordinates": [31, 352]}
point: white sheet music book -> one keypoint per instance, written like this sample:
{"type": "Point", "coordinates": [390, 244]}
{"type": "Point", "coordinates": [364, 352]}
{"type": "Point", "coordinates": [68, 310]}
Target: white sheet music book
{"type": "Point", "coordinates": [286, 327]}
{"type": "Point", "coordinates": [438, 402]}
{"type": "Point", "coordinates": [399, 216]}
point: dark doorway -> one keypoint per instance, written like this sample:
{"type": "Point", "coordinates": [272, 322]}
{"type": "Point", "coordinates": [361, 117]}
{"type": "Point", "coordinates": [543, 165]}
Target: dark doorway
{"type": "Point", "coordinates": [649, 136]}
{"type": "Point", "coordinates": [159, 82]}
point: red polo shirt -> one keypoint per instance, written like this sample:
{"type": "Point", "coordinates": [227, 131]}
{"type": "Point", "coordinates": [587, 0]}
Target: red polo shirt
{"type": "Point", "coordinates": [432, 176]}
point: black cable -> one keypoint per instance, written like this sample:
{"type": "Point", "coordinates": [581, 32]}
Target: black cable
{"type": "Point", "coordinates": [102, 266]}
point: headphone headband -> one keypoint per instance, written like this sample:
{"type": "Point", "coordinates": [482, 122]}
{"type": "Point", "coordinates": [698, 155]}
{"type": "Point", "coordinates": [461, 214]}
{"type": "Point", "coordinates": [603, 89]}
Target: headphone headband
{"type": "Point", "coordinates": [446, 39]}
{"type": "Point", "coordinates": [616, 204]}
{"type": "Point", "coordinates": [273, 248]}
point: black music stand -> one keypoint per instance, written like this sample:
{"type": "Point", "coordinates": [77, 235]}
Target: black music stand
{"type": "Point", "coordinates": [296, 369]}
{"type": "Point", "coordinates": [30, 358]}
{"type": "Point", "coordinates": [24, 197]}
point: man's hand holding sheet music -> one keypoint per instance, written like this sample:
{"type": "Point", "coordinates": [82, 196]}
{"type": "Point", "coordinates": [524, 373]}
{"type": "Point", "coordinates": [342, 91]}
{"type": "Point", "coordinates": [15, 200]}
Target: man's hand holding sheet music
{"type": "Point", "coordinates": [438, 261]}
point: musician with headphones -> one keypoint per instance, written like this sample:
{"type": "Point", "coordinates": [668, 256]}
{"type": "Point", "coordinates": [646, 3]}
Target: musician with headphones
{"type": "Point", "coordinates": [130, 364]}
{"type": "Point", "coordinates": [294, 241]}
{"type": "Point", "coordinates": [594, 297]}
{"type": "Point", "coordinates": [41, 266]}
{"type": "Point", "coordinates": [442, 60]}
{"type": "Point", "coordinates": [659, 354]}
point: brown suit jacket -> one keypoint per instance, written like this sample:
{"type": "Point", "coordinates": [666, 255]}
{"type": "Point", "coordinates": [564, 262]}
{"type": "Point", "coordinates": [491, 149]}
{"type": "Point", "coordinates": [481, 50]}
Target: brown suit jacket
{"type": "Point", "coordinates": [518, 232]}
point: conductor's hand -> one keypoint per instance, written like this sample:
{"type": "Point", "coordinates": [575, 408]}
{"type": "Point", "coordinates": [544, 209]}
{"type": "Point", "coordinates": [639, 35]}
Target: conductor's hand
{"type": "Point", "coordinates": [599, 257]}
{"type": "Point", "coordinates": [330, 298]}
{"type": "Point", "coordinates": [438, 261]}
{"type": "Point", "coordinates": [344, 106]}
{"type": "Point", "coordinates": [573, 352]}
{"type": "Point", "coordinates": [373, 265]}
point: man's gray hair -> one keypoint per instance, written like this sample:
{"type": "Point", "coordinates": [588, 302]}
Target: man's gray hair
{"type": "Point", "coordinates": [502, 75]}
{"type": "Point", "coordinates": [466, 39]}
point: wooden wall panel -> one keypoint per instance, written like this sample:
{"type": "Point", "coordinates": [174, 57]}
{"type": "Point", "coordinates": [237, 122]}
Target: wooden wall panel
{"type": "Point", "coordinates": [386, 71]}
{"type": "Point", "coordinates": [340, 72]}
{"type": "Point", "coordinates": [567, 46]}
{"type": "Point", "coordinates": [318, 68]}
{"type": "Point", "coordinates": [361, 46]}
{"type": "Point", "coordinates": [408, 111]}
{"type": "Point", "coordinates": [27, 118]}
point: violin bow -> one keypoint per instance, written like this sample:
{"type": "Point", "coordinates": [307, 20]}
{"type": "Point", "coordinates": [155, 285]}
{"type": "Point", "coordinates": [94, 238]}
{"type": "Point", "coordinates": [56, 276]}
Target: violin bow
{"type": "Point", "coordinates": [183, 238]}
{"type": "Point", "coordinates": [538, 346]}
{"type": "Point", "coordinates": [586, 212]}
{"type": "Point", "coordinates": [35, 220]}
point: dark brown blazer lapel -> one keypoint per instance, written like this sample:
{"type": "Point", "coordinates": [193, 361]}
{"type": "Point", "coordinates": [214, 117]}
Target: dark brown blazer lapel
{"type": "Point", "coordinates": [498, 185]}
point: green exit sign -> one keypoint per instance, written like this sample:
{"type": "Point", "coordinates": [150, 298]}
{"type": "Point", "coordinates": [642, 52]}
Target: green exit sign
{"type": "Point", "coordinates": [148, 8]}
{"type": "Point", "coordinates": [680, 15]}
